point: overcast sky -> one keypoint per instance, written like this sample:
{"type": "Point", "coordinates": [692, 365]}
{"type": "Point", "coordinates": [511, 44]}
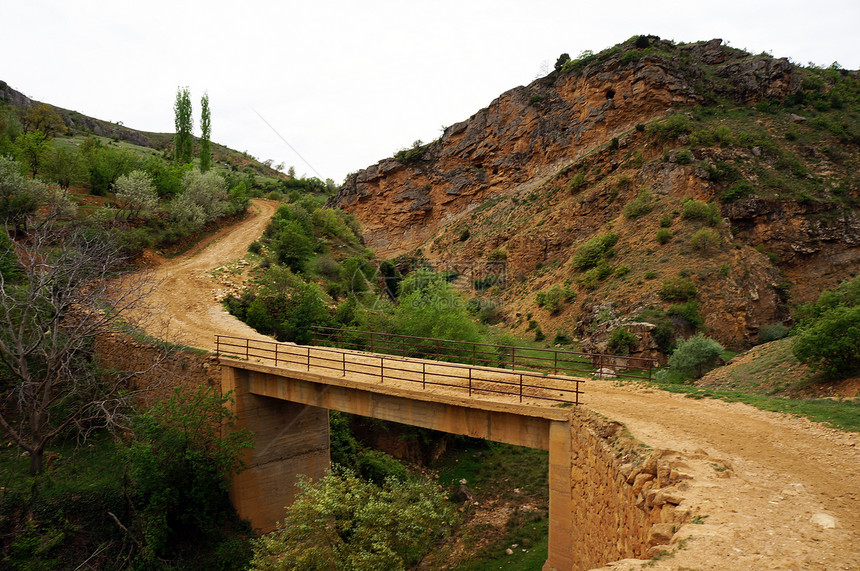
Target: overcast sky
{"type": "Point", "coordinates": [348, 83]}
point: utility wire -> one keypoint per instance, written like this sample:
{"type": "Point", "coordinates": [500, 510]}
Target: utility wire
{"type": "Point", "coordinates": [275, 131]}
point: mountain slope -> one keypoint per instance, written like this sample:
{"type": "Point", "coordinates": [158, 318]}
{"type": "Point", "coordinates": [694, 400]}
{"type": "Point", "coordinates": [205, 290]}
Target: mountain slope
{"type": "Point", "coordinates": [745, 164]}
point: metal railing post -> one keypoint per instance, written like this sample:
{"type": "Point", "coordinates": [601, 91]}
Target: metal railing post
{"type": "Point", "coordinates": [276, 354]}
{"type": "Point", "coordinates": [521, 387]}
{"type": "Point", "coordinates": [247, 349]}
{"type": "Point", "coordinates": [555, 363]}
{"type": "Point", "coordinates": [309, 358]}
{"type": "Point", "coordinates": [343, 361]}
{"type": "Point", "coordinates": [382, 370]}
{"type": "Point", "coordinates": [470, 382]}
{"type": "Point", "coordinates": [423, 375]}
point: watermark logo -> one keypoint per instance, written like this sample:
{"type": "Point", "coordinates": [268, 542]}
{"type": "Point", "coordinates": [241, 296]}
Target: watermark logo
{"type": "Point", "coordinates": [377, 286]}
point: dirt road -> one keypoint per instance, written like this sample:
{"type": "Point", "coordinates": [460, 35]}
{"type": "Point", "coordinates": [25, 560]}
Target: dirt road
{"type": "Point", "coordinates": [771, 491]}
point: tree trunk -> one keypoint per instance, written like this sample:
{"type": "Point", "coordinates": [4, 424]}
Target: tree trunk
{"type": "Point", "coordinates": [36, 461]}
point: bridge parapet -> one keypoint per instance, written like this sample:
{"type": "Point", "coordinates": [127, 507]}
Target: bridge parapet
{"type": "Point", "coordinates": [475, 381]}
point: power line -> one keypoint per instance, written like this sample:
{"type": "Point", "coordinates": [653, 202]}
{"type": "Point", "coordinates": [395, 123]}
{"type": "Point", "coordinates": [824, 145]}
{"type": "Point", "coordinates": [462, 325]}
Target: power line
{"type": "Point", "coordinates": [275, 131]}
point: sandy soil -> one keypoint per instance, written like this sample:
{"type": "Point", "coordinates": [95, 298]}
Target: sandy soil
{"type": "Point", "coordinates": [770, 491]}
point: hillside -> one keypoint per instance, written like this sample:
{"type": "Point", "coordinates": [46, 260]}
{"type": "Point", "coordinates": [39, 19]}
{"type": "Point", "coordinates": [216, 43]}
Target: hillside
{"type": "Point", "coordinates": [724, 185]}
{"type": "Point", "coordinates": [79, 125]}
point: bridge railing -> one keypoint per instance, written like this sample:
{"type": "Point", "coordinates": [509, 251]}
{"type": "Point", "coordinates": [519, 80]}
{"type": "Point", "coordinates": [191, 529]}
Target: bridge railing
{"type": "Point", "coordinates": [473, 380]}
{"type": "Point", "coordinates": [511, 357]}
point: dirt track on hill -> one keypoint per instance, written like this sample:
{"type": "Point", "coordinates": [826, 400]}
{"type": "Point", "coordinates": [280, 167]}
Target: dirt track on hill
{"type": "Point", "coordinates": [761, 483]}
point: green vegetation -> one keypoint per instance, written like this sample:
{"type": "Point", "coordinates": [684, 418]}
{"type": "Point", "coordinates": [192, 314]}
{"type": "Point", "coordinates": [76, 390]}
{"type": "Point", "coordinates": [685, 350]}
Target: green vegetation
{"type": "Point", "coordinates": [345, 522]}
{"type": "Point", "coordinates": [678, 289]}
{"type": "Point", "coordinates": [183, 146]}
{"type": "Point", "coordinates": [693, 357]}
{"type": "Point", "coordinates": [701, 211]}
{"type": "Point", "coordinates": [642, 204]}
{"type": "Point", "coordinates": [590, 253]}
{"type": "Point", "coordinates": [828, 336]}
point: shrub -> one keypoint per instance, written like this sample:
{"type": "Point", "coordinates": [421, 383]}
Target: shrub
{"type": "Point", "coordinates": [737, 191]}
{"type": "Point", "coordinates": [539, 336]}
{"type": "Point", "coordinates": [684, 157]}
{"type": "Point", "coordinates": [577, 182]}
{"type": "Point", "coordinates": [345, 522]}
{"type": "Point", "coordinates": [203, 199]}
{"type": "Point", "coordinates": [672, 128]}
{"type": "Point", "coordinates": [555, 298]}
{"type": "Point", "coordinates": [590, 253]}
{"type": "Point", "coordinates": [464, 235]}
{"type": "Point", "coordinates": [621, 341]}
{"type": "Point", "coordinates": [830, 343]}
{"type": "Point", "coordinates": [664, 235]}
{"type": "Point", "coordinates": [650, 275]}
{"type": "Point", "coordinates": [695, 356]}
{"type": "Point", "coordinates": [562, 338]}
{"type": "Point", "coordinates": [498, 255]}
{"type": "Point", "coordinates": [642, 204]}
{"type": "Point", "coordinates": [135, 193]}
{"type": "Point", "coordinates": [705, 239]}
{"type": "Point", "coordinates": [678, 289]}
{"type": "Point", "coordinates": [622, 271]}
{"type": "Point", "coordinates": [772, 332]}
{"type": "Point", "coordinates": [688, 311]}
{"type": "Point", "coordinates": [665, 221]}
{"type": "Point", "coordinates": [698, 210]}
{"type": "Point", "coordinates": [180, 464]}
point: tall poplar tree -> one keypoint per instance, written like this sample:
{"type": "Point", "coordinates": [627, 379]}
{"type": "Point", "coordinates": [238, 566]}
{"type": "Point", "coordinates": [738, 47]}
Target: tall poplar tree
{"type": "Point", "coordinates": [183, 143]}
{"type": "Point", "coordinates": [206, 127]}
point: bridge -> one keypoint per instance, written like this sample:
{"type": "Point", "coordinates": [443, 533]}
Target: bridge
{"type": "Point", "coordinates": [283, 393]}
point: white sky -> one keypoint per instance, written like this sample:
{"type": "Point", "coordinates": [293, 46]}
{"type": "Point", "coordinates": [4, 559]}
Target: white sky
{"type": "Point", "coordinates": [348, 83]}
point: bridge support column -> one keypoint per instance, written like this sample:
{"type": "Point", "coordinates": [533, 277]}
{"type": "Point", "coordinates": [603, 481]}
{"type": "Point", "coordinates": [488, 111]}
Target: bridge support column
{"type": "Point", "coordinates": [289, 439]}
{"type": "Point", "coordinates": [560, 541]}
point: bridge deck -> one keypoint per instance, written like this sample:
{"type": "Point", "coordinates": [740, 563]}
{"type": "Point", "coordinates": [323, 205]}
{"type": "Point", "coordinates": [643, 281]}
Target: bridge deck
{"type": "Point", "coordinates": [381, 373]}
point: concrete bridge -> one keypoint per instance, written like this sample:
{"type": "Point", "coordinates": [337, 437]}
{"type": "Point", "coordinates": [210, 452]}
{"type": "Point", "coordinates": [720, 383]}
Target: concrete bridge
{"type": "Point", "coordinates": [283, 394]}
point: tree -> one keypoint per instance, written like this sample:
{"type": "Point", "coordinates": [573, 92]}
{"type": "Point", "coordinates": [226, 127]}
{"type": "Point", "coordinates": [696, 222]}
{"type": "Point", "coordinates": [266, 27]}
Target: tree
{"type": "Point", "coordinates": [25, 203]}
{"type": "Point", "coordinates": [206, 128]}
{"type": "Point", "coordinates": [33, 149]}
{"type": "Point", "coordinates": [695, 356]}
{"type": "Point", "coordinates": [42, 118]}
{"type": "Point", "coordinates": [67, 292]}
{"type": "Point", "coordinates": [203, 199]}
{"type": "Point", "coordinates": [831, 343]}
{"type": "Point", "coordinates": [344, 522]}
{"type": "Point", "coordinates": [180, 463]}
{"type": "Point", "coordinates": [562, 59]}
{"type": "Point", "coordinates": [135, 193]}
{"type": "Point", "coordinates": [183, 145]}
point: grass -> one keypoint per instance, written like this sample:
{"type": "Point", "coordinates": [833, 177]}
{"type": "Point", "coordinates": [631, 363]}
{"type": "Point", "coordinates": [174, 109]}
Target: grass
{"type": "Point", "coordinates": [843, 414]}
{"type": "Point", "coordinates": [94, 466]}
{"type": "Point", "coordinates": [512, 475]}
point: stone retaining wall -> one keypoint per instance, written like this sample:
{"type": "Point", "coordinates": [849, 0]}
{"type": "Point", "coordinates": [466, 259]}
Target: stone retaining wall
{"type": "Point", "coordinates": [625, 496]}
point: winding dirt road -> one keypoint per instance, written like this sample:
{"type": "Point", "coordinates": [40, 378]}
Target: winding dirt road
{"type": "Point", "coordinates": [772, 491]}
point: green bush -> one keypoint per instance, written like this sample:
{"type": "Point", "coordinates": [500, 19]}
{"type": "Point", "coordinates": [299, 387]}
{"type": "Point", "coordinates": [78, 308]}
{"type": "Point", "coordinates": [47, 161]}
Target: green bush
{"type": "Point", "coordinates": [642, 204]}
{"type": "Point", "coordinates": [671, 128]}
{"type": "Point", "coordinates": [664, 235]}
{"type": "Point", "coordinates": [622, 341]}
{"type": "Point", "coordinates": [695, 356]}
{"type": "Point", "coordinates": [180, 465]}
{"type": "Point", "coordinates": [684, 157]}
{"type": "Point", "coordinates": [577, 182]}
{"type": "Point", "coordinates": [772, 332]}
{"type": "Point", "coordinates": [688, 311]}
{"type": "Point", "coordinates": [830, 343]}
{"type": "Point", "coordinates": [345, 522]}
{"type": "Point", "coordinates": [678, 289]}
{"type": "Point", "coordinates": [562, 338]}
{"type": "Point", "coordinates": [705, 240]}
{"type": "Point", "coordinates": [590, 253]}
{"type": "Point", "coordinates": [698, 210]}
{"type": "Point", "coordinates": [497, 255]}
{"type": "Point", "coordinates": [737, 191]}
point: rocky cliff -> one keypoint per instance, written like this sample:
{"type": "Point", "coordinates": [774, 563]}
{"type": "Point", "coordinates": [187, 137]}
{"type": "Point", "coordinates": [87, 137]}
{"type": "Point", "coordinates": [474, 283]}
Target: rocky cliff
{"type": "Point", "coordinates": [617, 143]}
